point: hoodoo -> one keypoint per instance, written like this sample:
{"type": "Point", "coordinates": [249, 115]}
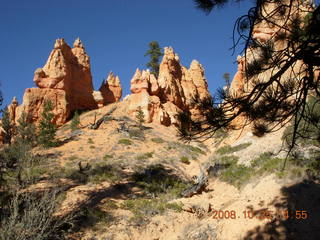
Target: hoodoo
{"type": "Point", "coordinates": [164, 98]}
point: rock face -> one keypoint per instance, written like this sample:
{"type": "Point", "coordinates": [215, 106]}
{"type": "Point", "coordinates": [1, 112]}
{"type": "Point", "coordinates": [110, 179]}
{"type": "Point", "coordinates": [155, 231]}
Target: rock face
{"type": "Point", "coordinates": [164, 98]}
{"type": "Point", "coordinates": [65, 80]}
{"type": "Point", "coordinates": [111, 90]}
{"type": "Point", "coordinates": [237, 84]}
{"type": "Point", "coordinates": [69, 70]}
{"type": "Point", "coordinates": [34, 98]}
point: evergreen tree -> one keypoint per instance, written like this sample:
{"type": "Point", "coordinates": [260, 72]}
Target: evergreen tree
{"type": "Point", "coordinates": [75, 121]}
{"type": "Point", "coordinates": [26, 129]}
{"type": "Point", "coordinates": [47, 130]}
{"type": "Point", "coordinates": [8, 126]}
{"type": "Point", "coordinates": [140, 117]}
{"type": "Point", "coordinates": [155, 53]}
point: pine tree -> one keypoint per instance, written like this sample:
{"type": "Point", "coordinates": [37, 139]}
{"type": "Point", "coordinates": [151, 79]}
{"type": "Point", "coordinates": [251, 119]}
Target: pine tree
{"type": "Point", "coordinates": [226, 78]}
{"type": "Point", "coordinates": [47, 130]}
{"type": "Point", "coordinates": [75, 121]}
{"type": "Point", "coordinates": [155, 54]}
{"type": "Point", "coordinates": [8, 126]}
{"type": "Point", "coordinates": [140, 117]}
{"type": "Point", "coordinates": [26, 130]}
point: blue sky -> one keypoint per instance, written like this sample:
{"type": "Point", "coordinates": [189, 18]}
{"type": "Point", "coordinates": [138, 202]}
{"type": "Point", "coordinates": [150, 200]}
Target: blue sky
{"type": "Point", "coordinates": [116, 34]}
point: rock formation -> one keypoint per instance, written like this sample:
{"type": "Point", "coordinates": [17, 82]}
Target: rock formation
{"type": "Point", "coordinates": [111, 89]}
{"type": "Point", "coordinates": [164, 98]}
{"type": "Point", "coordinates": [237, 84]}
{"type": "Point", "coordinates": [69, 70]}
{"type": "Point", "coordinates": [66, 81]}
{"type": "Point", "coordinates": [12, 109]}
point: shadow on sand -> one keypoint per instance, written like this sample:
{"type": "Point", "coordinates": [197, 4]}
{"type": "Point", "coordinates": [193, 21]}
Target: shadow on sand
{"type": "Point", "coordinates": [303, 196]}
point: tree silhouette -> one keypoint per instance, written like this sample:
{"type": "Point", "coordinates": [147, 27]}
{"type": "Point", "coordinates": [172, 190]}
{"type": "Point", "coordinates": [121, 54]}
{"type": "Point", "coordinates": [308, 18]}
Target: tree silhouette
{"type": "Point", "coordinates": [280, 71]}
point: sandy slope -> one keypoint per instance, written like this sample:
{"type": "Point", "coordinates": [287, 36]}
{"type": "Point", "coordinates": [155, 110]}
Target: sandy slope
{"type": "Point", "coordinates": [196, 221]}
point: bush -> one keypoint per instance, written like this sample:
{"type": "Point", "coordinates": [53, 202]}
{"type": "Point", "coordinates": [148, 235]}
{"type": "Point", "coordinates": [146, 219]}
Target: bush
{"type": "Point", "coordinates": [28, 217]}
{"type": "Point", "coordinates": [17, 165]}
{"type": "Point", "coordinates": [228, 149]}
{"type": "Point", "coordinates": [155, 180]}
{"type": "Point", "coordinates": [185, 160]}
{"type": "Point", "coordinates": [145, 156]}
{"type": "Point", "coordinates": [90, 141]}
{"type": "Point", "coordinates": [157, 140]}
{"type": "Point", "coordinates": [107, 172]}
{"type": "Point", "coordinates": [143, 208]}
{"type": "Point", "coordinates": [237, 175]}
{"type": "Point", "coordinates": [196, 150]}
{"type": "Point", "coordinates": [136, 133]}
{"type": "Point", "coordinates": [107, 157]}
{"type": "Point", "coordinates": [125, 141]}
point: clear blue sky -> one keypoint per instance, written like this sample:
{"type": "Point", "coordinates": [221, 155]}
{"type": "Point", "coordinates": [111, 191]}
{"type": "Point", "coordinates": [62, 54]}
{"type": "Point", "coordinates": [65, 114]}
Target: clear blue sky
{"type": "Point", "coordinates": [116, 34]}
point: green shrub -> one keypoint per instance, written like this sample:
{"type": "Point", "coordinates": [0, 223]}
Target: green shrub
{"type": "Point", "coordinates": [73, 158]}
{"type": "Point", "coordinates": [228, 149]}
{"type": "Point", "coordinates": [90, 141]}
{"type": "Point", "coordinates": [196, 150]}
{"type": "Point", "coordinates": [136, 133]}
{"type": "Point", "coordinates": [105, 172]}
{"type": "Point", "coordinates": [237, 175]}
{"type": "Point", "coordinates": [91, 216]}
{"type": "Point", "coordinates": [107, 157]}
{"type": "Point", "coordinates": [155, 179]}
{"type": "Point", "coordinates": [185, 160]}
{"type": "Point", "coordinates": [143, 208]}
{"type": "Point", "coordinates": [157, 140]}
{"type": "Point", "coordinates": [145, 156]}
{"type": "Point", "coordinates": [125, 141]}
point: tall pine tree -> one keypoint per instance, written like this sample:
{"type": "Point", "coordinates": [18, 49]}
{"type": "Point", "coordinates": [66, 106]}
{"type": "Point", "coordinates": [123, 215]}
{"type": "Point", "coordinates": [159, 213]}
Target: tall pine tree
{"type": "Point", "coordinates": [47, 130]}
{"type": "Point", "coordinates": [155, 53]}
